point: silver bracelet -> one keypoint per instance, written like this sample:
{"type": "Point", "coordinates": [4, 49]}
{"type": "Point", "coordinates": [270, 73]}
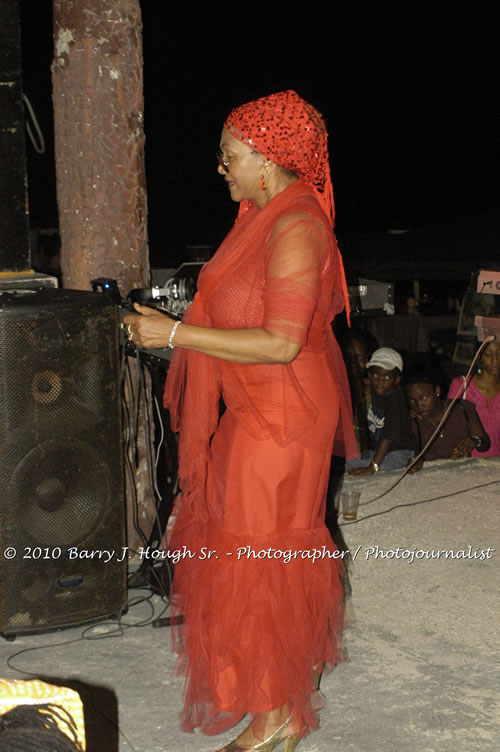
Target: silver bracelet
{"type": "Point", "coordinates": [172, 335]}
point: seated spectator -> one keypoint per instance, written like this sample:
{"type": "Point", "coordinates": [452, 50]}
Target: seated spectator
{"type": "Point", "coordinates": [458, 436]}
{"type": "Point", "coordinates": [483, 389]}
{"type": "Point", "coordinates": [389, 423]}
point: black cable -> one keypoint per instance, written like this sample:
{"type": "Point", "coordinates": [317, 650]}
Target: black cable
{"type": "Point", "coordinates": [138, 396]}
{"type": "Point", "coordinates": [137, 402]}
{"type": "Point", "coordinates": [131, 449]}
{"type": "Point", "coordinates": [147, 425]}
{"type": "Point", "coordinates": [121, 625]}
{"type": "Point", "coordinates": [147, 428]}
{"type": "Point", "coordinates": [160, 443]}
{"type": "Point", "coordinates": [127, 382]}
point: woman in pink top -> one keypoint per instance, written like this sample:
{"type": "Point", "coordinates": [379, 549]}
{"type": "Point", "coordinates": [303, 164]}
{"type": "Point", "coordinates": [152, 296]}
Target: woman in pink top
{"type": "Point", "coordinates": [483, 389]}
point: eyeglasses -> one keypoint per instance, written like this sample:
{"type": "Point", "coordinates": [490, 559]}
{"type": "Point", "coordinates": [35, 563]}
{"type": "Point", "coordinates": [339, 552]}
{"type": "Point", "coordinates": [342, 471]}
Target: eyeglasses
{"type": "Point", "coordinates": [222, 163]}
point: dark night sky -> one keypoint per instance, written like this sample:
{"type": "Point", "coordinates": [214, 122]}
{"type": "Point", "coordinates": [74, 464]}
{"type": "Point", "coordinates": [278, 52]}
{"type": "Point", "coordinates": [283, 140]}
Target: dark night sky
{"type": "Point", "coordinates": [410, 99]}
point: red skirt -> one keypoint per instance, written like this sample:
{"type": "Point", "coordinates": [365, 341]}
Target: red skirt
{"type": "Point", "coordinates": [259, 586]}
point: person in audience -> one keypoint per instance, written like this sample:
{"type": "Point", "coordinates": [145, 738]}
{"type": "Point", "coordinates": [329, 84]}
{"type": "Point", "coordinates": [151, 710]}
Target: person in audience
{"type": "Point", "coordinates": [355, 352]}
{"type": "Point", "coordinates": [460, 434]}
{"type": "Point", "coordinates": [389, 425]}
{"type": "Point", "coordinates": [483, 389]}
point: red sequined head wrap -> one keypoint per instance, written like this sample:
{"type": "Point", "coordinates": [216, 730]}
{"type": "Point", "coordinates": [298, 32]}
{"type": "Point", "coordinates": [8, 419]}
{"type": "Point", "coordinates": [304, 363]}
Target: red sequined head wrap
{"type": "Point", "coordinates": [291, 132]}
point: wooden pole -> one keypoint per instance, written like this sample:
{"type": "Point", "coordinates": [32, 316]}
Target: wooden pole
{"type": "Point", "coordinates": [99, 142]}
{"type": "Point", "coordinates": [101, 185]}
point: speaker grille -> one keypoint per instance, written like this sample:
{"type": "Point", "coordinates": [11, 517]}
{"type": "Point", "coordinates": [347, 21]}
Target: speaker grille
{"type": "Point", "coordinates": [62, 505]}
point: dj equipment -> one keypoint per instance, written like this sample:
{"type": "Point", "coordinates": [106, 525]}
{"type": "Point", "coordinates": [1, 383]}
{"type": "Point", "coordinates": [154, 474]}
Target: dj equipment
{"type": "Point", "coordinates": [172, 293]}
{"type": "Point", "coordinates": [62, 496]}
{"type": "Point", "coordinates": [26, 280]}
{"type": "Point", "coordinates": [371, 298]}
{"type": "Point", "coordinates": [175, 293]}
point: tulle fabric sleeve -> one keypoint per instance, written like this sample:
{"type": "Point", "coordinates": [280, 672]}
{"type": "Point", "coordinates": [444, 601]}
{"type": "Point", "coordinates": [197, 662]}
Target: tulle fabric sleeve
{"type": "Point", "coordinates": [295, 256]}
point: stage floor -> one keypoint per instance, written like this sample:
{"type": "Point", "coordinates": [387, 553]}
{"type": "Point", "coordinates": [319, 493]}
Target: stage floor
{"type": "Point", "coordinates": [423, 644]}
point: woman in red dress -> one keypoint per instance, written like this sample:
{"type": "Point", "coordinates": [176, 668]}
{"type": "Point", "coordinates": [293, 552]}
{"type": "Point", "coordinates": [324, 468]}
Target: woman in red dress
{"type": "Point", "coordinates": [260, 586]}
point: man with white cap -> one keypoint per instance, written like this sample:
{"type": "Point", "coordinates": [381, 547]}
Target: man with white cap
{"type": "Point", "coordinates": [393, 443]}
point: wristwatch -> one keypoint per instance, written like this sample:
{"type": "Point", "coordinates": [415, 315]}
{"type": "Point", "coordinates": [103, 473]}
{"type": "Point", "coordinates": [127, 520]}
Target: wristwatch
{"type": "Point", "coordinates": [478, 441]}
{"type": "Point", "coordinates": [376, 467]}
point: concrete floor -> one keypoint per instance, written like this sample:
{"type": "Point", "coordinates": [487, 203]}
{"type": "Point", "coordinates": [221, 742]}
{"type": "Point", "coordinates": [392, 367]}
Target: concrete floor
{"type": "Point", "coordinates": [423, 645]}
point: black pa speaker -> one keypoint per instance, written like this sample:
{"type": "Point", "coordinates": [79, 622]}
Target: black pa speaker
{"type": "Point", "coordinates": [62, 497]}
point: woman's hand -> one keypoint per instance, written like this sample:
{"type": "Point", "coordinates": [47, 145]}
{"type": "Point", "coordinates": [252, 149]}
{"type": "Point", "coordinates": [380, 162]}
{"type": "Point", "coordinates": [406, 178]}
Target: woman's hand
{"type": "Point", "coordinates": [463, 449]}
{"type": "Point", "coordinates": [150, 330]}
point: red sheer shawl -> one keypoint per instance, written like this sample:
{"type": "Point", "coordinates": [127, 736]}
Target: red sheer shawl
{"type": "Point", "coordinates": [193, 385]}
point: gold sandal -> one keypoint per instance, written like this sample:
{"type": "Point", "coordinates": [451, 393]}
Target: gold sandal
{"type": "Point", "coordinates": [291, 742]}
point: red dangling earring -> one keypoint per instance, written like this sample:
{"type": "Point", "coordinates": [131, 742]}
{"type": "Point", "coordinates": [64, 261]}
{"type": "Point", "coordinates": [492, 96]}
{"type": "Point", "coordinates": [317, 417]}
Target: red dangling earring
{"type": "Point", "coordinates": [262, 184]}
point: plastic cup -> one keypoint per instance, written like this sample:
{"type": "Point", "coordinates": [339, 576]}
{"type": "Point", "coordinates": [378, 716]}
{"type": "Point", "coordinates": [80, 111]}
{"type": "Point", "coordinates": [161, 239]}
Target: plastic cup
{"type": "Point", "coordinates": [350, 504]}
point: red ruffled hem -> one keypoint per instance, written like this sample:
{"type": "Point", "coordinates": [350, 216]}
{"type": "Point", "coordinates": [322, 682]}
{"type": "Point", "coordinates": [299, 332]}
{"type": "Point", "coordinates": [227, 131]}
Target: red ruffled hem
{"type": "Point", "coordinates": [259, 612]}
